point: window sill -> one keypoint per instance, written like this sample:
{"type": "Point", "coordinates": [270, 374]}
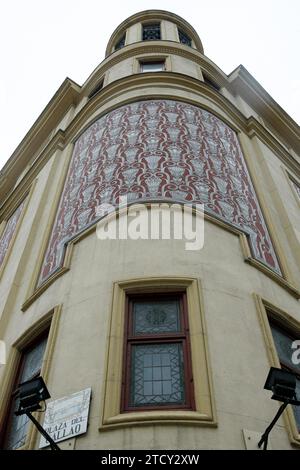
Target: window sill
{"type": "Point", "coordinates": [157, 417]}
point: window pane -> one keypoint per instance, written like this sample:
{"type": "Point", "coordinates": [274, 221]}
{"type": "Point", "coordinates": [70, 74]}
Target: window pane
{"type": "Point", "coordinates": [120, 43]}
{"type": "Point", "coordinates": [283, 344]}
{"type": "Point", "coordinates": [150, 317]}
{"type": "Point", "coordinates": [184, 38]}
{"type": "Point", "coordinates": [32, 363]}
{"type": "Point", "coordinates": [152, 66]}
{"type": "Point", "coordinates": [157, 375]}
{"type": "Point", "coordinates": [151, 32]}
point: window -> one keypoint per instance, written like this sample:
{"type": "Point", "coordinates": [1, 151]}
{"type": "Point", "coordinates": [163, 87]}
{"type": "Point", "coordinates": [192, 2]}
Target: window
{"type": "Point", "coordinates": [279, 330]}
{"type": "Point", "coordinates": [156, 369]}
{"type": "Point", "coordinates": [296, 187]}
{"type": "Point", "coordinates": [184, 38]}
{"type": "Point", "coordinates": [151, 32]}
{"type": "Point", "coordinates": [157, 364]}
{"type": "Point", "coordinates": [29, 367]}
{"type": "Point", "coordinates": [120, 43]}
{"type": "Point", "coordinates": [152, 66]}
{"type": "Point", "coordinates": [96, 89]}
{"type": "Point", "coordinates": [9, 231]}
{"type": "Point", "coordinates": [210, 82]}
{"type": "Point", "coordinates": [283, 340]}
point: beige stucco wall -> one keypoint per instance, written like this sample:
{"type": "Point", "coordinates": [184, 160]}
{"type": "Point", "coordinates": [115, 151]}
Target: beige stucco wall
{"type": "Point", "coordinates": [238, 357]}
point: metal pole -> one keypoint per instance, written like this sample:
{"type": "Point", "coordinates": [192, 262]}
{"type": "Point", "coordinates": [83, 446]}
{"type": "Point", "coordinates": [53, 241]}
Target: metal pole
{"type": "Point", "coordinates": [265, 436]}
{"type": "Point", "coordinates": [53, 444]}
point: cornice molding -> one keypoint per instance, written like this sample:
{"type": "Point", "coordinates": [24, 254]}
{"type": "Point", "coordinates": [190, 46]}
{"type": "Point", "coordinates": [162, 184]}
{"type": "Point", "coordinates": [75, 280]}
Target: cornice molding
{"type": "Point", "coordinates": [170, 82]}
{"type": "Point", "coordinates": [16, 194]}
{"type": "Point", "coordinates": [36, 138]}
{"type": "Point", "coordinates": [243, 83]}
{"type": "Point", "coordinates": [254, 128]}
{"type": "Point", "coordinates": [153, 47]}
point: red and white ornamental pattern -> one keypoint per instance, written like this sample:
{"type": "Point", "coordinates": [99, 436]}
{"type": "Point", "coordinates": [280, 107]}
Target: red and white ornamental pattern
{"type": "Point", "coordinates": [9, 231]}
{"type": "Point", "coordinates": [164, 150]}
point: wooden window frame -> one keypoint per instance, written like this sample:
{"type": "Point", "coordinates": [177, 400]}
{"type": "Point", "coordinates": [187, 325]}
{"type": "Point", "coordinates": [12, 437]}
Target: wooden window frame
{"type": "Point", "coordinates": [47, 322]}
{"type": "Point", "coordinates": [181, 337]}
{"type": "Point", "coordinates": [204, 414]}
{"type": "Point", "coordinates": [7, 422]}
{"type": "Point", "coordinates": [268, 312]}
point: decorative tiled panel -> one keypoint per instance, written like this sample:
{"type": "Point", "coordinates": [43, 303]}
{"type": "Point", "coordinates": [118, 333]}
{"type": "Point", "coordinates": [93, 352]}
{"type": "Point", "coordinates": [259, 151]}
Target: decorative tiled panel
{"type": "Point", "coordinates": [165, 150]}
{"type": "Point", "coordinates": [9, 231]}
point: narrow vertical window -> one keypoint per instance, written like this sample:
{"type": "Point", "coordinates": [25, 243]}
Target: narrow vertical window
{"type": "Point", "coordinates": [157, 364]}
{"type": "Point", "coordinates": [151, 32]}
{"type": "Point", "coordinates": [184, 38]}
{"type": "Point", "coordinates": [96, 89]}
{"type": "Point", "coordinates": [30, 367]}
{"type": "Point", "coordinates": [296, 187]}
{"type": "Point", "coordinates": [210, 82]}
{"type": "Point", "coordinates": [283, 340]}
{"type": "Point", "coordinates": [9, 231]}
{"type": "Point", "coordinates": [120, 43]}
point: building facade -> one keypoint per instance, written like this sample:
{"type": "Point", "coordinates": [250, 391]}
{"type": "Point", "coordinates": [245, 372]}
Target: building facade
{"type": "Point", "coordinates": [174, 343]}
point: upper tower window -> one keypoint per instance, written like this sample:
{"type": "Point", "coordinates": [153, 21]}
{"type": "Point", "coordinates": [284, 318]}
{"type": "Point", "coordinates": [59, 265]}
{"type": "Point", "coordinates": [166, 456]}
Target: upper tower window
{"type": "Point", "coordinates": [151, 32]}
{"type": "Point", "coordinates": [210, 82]}
{"type": "Point", "coordinates": [120, 43]}
{"type": "Point", "coordinates": [152, 66]}
{"type": "Point", "coordinates": [96, 89]}
{"type": "Point", "coordinates": [184, 38]}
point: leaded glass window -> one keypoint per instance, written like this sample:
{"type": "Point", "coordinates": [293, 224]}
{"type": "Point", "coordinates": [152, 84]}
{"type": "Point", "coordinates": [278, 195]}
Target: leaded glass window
{"type": "Point", "coordinates": [184, 38]}
{"type": "Point", "coordinates": [151, 32]}
{"type": "Point", "coordinates": [283, 341]}
{"type": "Point", "coordinates": [30, 367]}
{"type": "Point", "coordinates": [158, 316]}
{"type": "Point", "coordinates": [157, 366]}
{"type": "Point", "coordinates": [120, 43]}
{"type": "Point", "coordinates": [157, 374]}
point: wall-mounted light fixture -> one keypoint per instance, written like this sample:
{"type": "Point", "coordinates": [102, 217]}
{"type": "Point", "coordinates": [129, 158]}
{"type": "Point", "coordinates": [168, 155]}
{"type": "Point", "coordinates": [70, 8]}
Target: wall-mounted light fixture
{"type": "Point", "coordinates": [283, 385]}
{"type": "Point", "coordinates": [30, 395]}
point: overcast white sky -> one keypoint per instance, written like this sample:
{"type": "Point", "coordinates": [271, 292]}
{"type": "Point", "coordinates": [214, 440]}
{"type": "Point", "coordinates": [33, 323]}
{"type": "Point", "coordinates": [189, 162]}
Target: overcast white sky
{"type": "Point", "coordinates": [42, 42]}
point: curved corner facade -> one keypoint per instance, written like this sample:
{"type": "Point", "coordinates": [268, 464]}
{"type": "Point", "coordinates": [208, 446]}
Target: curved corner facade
{"type": "Point", "coordinates": [174, 344]}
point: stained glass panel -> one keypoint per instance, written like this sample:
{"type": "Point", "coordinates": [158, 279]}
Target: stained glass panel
{"type": "Point", "coordinates": [159, 316]}
{"type": "Point", "coordinates": [157, 374]}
